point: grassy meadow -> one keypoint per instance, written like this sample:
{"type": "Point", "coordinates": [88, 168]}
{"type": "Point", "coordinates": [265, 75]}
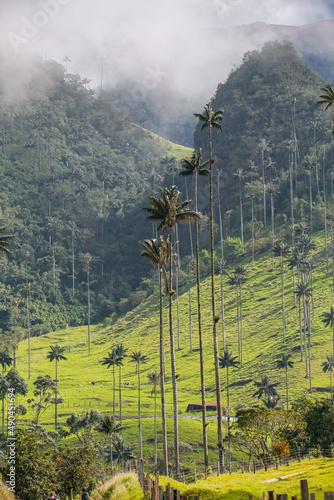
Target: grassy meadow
{"type": "Point", "coordinates": [139, 330]}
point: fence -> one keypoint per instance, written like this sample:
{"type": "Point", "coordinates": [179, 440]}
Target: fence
{"type": "Point", "coordinates": [153, 487]}
{"type": "Point", "coordinates": [305, 495]}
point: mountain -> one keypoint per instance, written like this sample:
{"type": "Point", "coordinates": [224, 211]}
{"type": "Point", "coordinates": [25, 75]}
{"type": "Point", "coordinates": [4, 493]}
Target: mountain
{"type": "Point", "coordinates": [313, 42]}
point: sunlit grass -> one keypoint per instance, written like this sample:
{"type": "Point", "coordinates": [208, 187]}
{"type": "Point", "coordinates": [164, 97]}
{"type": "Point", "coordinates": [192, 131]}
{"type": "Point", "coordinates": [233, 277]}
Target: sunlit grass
{"type": "Point", "coordinates": [139, 330]}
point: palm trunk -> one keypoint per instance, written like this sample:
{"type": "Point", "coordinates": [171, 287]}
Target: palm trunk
{"type": "Point", "coordinates": [241, 214]}
{"type": "Point", "coordinates": [205, 438]}
{"type": "Point", "coordinates": [287, 388]}
{"type": "Point", "coordinates": [114, 391]}
{"type": "Point", "coordinates": [28, 324]}
{"type": "Point", "coordinates": [309, 344]}
{"type": "Point", "coordinates": [241, 333]}
{"type": "Point", "coordinates": [311, 201]}
{"type": "Point", "coordinates": [88, 306]}
{"type": "Point", "coordinates": [238, 320]}
{"type": "Point", "coordinates": [190, 231]}
{"type": "Point", "coordinates": [214, 318]}
{"type": "Point", "coordinates": [264, 193]}
{"type": "Point", "coordinates": [3, 409]}
{"type": "Point", "coordinates": [162, 379]}
{"type": "Point", "coordinates": [173, 366]}
{"type": "Point", "coordinates": [253, 232]}
{"type": "Point", "coordinates": [73, 278]}
{"type": "Point", "coordinates": [155, 431]}
{"type": "Point", "coordinates": [139, 416]}
{"type": "Point", "coordinates": [221, 274]}
{"type": "Point", "coordinates": [325, 217]}
{"type": "Point", "coordinates": [111, 460]}
{"type": "Point", "coordinates": [228, 418]}
{"type": "Point", "coordinates": [190, 339]}
{"type": "Point", "coordinates": [292, 224]}
{"type": "Point", "coordinates": [283, 301]}
{"type": "Point", "coordinates": [56, 398]}
{"type": "Point", "coordinates": [272, 225]}
{"type": "Point", "coordinates": [305, 343]}
{"type": "Point", "coordinates": [330, 378]}
{"type": "Point", "coordinates": [120, 394]}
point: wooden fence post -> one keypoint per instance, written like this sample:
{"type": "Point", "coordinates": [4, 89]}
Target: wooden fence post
{"type": "Point", "coordinates": [161, 493]}
{"type": "Point", "coordinates": [284, 496]}
{"type": "Point", "coordinates": [304, 489]}
{"type": "Point", "coordinates": [312, 496]}
{"type": "Point", "coordinates": [329, 495]}
{"type": "Point", "coordinates": [278, 496]}
{"type": "Point", "coordinates": [271, 495]}
{"type": "Point", "coordinates": [264, 495]}
{"type": "Point", "coordinates": [167, 492]}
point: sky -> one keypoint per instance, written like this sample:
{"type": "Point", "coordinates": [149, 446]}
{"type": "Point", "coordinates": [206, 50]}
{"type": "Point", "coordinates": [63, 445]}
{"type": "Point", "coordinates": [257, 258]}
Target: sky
{"type": "Point", "coordinates": [149, 41]}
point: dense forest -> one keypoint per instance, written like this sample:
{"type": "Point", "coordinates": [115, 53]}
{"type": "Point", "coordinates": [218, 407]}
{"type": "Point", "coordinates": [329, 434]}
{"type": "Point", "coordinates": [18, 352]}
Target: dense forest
{"type": "Point", "coordinates": [76, 172]}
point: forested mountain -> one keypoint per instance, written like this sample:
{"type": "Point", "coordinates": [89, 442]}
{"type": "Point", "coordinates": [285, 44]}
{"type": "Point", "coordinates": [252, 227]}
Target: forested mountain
{"type": "Point", "coordinates": [74, 174]}
{"type": "Point", "coordinates": [271, 128]}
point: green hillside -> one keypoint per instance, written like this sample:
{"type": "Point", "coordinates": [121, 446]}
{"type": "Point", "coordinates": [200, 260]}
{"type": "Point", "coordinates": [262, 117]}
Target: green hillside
{"type": "Point", "coordinates": [319, 475]}
{"type": "Point", "coordinates": [262, 327]}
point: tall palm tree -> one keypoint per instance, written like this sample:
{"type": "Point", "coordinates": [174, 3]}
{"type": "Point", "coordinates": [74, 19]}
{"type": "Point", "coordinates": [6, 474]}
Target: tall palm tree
{"type": "Point", "coordinates": [154, 378]}
{"type": "Point", "coordinates": [14, 314]}
{"type": "Point", "coordinates": [110, 426]}
{"type": "Point", "coordinates": [111, 360]}
{"type": "Point", "coordinates": [284, 364]}
{"type": "Point", "coordinates": [195, 166]}
{"type": "Point", "coordinates": [5, 360]}
{"type": "Point", "coordinates": [168, 210]}
{"type": "Point", "coordinates": [223, 267]}
{"type": "Point", "coordinates": [121, 354]}
{"type": "Point", "coordinates": [226, 360]}
{"type": "Point", "coordinates": [237, 280]}
{"type": "Point", "coordinates": [265, 388]}
{"type": "Point", "coordinates": [281, 250]}
{"type": "Point", "coordinates": [210, 119]}
{"type": "Point", "coordinates": [263, 146]}
{"type": "Point", "coordinates": [139, 358]}
{"type": "Point", "coordinates": [189, 260]}
{"type": "Point", "coordinates": [56, 354]}
{"type": "Point", "coordinates": [157, 253]}
{"type": "Point", "coordinates": [327, 99]}
{"type": "Point", "coordinates": [328, 366]}
{"type": "Point", "coordinates": [87, 259]}
{"type": "Point", "coordinates": [328, 320]}
{"type": "Point", "coordinates": [304, 292]}
{"type": "Point", "coordinates": [240, 176]}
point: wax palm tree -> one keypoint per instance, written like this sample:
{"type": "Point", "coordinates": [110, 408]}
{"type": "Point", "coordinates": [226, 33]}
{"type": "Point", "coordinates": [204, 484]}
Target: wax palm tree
{"type": "Point", "coordinates": [189, 260]}
{"type": "Point", "coordinates": [304, 292]}
{"type": "Point", "coordinates": [237, 280]}
{"type": "Point", "coordinates": [5, 360]}
{"type": "Point", "coordinates": [327, 99]}
{"type": "Point", "coordinates": [210, 119]}
{"type": "Point", "coordinates": [111, 360]}
{"type": "Point", "coordinates": [265, 389]}
{"type": "Point", "coordinates": [196, 167]}
{"type": "Point", "coordinates": [281, 250]}
{"type": "Point", "coordinates": [223, 268]}
{"type": "Point", "coordinates": [226, 360]}
{"type": "Point", "coordinates": [87, 259]}
{"type": "Point", "coordinates": [263, 146]}
{"type": "Point", "coordinates": [14, 314]}
{"type": "Point", "coordinates": [139, 358]}
{"type": "Point", "coordinates": [121, 355]}
{"type": "Point", "coordinates": [240, 176]}
{"type": "Point", "coordinates": [283, 364]}
{"type": "Point", "coordinates": [56, 354]}
{"type": "Point", "coordinates": [328, 320]}
{"type": "Point", "coordinates": [122, 452]}
{"type": "Point", "coordinates": [157, 253]}
{"type": "Point", "coordinates": [110, 426]}
{"type": "Point", "coordinates": [168, 210]}
{"type": "Point", "coordinates": [328, 366]}
{"type": "Point", "coordinates": [154, 378]}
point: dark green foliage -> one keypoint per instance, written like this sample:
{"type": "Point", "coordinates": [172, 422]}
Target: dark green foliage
{"type": "Point", "coordinates": [319, 417]}
{"type": "Point", "coordinates": [258, 100]}
{"type": "Point", "coordinates": [74, 171]}
{"type": "Point", "coordinates": [77, 468]}
{"type": "Point", "coordinates": [34, 475]}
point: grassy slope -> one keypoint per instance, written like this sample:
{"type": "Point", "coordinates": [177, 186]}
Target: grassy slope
{"type": "Point", "coordinates": [138, 330]}
{"type": "Point", "coordinates": [169, 148]}
{"type": "Point", "coordinates": [319, 473]}
{"type": "Point", "coordinates": [5, 494]}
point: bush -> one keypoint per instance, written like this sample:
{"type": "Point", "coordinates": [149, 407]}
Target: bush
{"type": "Point", "coordinates": [233, 249]}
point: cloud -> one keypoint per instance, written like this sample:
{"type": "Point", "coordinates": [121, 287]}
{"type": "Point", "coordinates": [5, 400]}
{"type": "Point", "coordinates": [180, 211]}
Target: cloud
{"type": "Point", "coordinates": [179, 43]}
